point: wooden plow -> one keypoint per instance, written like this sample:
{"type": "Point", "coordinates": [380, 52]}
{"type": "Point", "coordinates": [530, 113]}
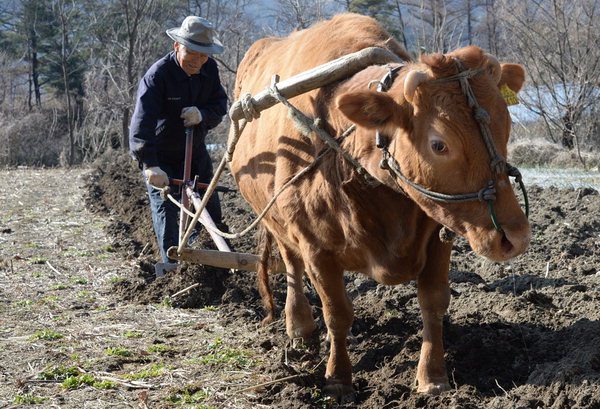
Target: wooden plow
{"type": "Point", "coordinates": [317, 77]}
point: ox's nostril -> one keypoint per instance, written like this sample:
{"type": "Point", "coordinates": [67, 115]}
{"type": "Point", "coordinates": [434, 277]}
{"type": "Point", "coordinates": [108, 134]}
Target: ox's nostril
{"type": "Point", "coordinates": [506, 245]}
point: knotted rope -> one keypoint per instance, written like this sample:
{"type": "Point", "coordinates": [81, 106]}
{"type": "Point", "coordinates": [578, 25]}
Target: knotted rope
{"type": "Point", "coordinates": [498, 163]}
{"type": "Point", "coordinates": [248, 110]}
{"type": "Point", "coordinates": [251, 113]}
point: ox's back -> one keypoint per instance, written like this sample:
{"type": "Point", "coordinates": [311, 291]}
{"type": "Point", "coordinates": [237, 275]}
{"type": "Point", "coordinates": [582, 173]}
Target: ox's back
{"type": "Point", "coordinates": [306, 49]}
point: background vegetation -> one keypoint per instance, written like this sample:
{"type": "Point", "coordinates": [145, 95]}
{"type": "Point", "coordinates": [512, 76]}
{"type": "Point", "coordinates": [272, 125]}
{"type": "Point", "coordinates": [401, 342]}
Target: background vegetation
{"type": "Point", "coordinates": [69, 68]}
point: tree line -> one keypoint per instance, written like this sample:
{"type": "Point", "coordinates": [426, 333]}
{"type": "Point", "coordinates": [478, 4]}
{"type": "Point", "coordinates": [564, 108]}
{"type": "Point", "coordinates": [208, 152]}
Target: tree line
{"type": "Point", "coordinates": [69, 69]}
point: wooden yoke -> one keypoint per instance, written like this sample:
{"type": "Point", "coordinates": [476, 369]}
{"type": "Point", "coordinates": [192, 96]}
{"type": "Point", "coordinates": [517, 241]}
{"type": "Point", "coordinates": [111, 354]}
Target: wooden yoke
{"type": "Point", "coordinates": [317, 77]}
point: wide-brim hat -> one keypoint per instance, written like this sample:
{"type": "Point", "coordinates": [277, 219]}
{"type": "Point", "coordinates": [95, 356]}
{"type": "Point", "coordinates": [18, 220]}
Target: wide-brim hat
{"type": "Point", "coordinates": [196, 33]}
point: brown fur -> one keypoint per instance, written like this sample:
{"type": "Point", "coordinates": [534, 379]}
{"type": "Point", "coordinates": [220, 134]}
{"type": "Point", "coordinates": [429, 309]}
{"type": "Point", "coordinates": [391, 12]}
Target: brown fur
{"type": "Point", "coordinates": [513, 75]}
{"type": "Point", "coordinates": [332, 221]}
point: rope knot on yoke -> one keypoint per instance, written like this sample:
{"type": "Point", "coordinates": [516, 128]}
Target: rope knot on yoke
{"type": "Point", "coordinates": [248, 110]}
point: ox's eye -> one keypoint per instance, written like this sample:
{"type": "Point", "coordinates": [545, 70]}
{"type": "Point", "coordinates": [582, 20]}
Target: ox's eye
{"type": "Point", "coordinates": [439, 147]}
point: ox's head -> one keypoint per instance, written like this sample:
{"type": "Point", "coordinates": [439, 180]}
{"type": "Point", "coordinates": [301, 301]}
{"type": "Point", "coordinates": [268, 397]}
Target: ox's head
{"type": "Point", "coordinates": [430, 130]}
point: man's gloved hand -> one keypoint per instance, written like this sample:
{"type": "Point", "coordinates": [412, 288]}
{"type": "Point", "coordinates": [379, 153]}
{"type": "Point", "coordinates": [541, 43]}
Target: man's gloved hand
{"type": "Point", "coordinates": [156, 177]}
{"type": "Point", "coordinates": [191, 116]}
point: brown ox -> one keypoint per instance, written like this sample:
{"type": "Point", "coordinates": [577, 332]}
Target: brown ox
{"type": "Point", "coordinates": [332, 220]}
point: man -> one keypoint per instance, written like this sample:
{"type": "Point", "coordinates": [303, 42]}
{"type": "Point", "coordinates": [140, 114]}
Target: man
{"type": "Point", "coordinates": [182, 89]}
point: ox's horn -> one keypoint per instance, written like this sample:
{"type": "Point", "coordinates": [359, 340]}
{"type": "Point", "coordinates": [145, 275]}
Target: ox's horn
{"type": "Point", "coordinates": [412, 81]}
{"type": "Point", "coordinates": [493, 66]}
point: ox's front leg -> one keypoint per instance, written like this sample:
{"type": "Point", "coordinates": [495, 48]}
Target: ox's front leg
{"type": "Point", "coordinates": [338, 315]}
{"type": "Point", "coordinates": [299, 320]}
{"type": "Point", "coordinates": [434, 297]}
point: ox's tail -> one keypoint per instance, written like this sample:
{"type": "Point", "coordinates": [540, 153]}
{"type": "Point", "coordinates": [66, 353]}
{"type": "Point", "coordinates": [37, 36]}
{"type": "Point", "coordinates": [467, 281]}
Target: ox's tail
{"type": "Point", "coordinates": [265, 247]}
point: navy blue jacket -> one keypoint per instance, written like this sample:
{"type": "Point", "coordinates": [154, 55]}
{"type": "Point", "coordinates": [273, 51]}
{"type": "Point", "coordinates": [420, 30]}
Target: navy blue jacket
{"type": "Point", "coordinates": [156, 133]}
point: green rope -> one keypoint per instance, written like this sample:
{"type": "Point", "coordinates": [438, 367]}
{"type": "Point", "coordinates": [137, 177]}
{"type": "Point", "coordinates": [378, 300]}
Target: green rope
{"type": "Point", "coordinates": [494, 219]}
{"type": "Point", "coordinates": [525, 198]}
{"type": "Point", "coordinates": [493, 213]}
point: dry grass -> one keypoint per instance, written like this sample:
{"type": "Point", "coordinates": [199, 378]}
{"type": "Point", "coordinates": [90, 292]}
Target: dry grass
{"type": "Point", "coordinates": [67, 342]}
{"type": "Point", "coordinates": [537, 152]}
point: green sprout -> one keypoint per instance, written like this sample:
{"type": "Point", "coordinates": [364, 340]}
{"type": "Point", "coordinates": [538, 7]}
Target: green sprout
{"type": "Point", "coordinates": [153, 371]}
{"type": "Point", "coordinates": [58, 373]}
{"type": "Point", "coordinates": [28, 399]}
{"type": "Point", "coordinates": [73, 382]}
{"type": "Point", "coordinates": [61, 287]}
{"type": "Point", "coordinates": [118, 351]}
{"type": "Point", "coordinates": [46, 335]}
{"type": "Point", "coordinates": [188, 397]}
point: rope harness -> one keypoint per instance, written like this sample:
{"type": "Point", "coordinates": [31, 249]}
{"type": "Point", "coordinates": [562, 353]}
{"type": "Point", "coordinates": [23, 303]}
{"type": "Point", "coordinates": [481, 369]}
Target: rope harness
{"type": "Point", "coordinates": [251, 113]}
{"type": "Point", "coordinates": [498, 163]}
{"type": "Point", "coordinates": [487, 194]}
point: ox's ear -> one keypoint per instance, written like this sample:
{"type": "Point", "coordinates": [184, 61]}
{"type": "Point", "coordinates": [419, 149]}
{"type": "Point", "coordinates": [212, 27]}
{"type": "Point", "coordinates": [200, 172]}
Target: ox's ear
{"type": "Point", "coordinates": [513, 75]}
{"type": "Point", "coordinates": [367, 108]}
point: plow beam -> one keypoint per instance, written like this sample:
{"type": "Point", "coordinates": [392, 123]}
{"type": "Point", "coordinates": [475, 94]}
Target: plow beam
{"type": "Point", "coordinates": [224, 259]}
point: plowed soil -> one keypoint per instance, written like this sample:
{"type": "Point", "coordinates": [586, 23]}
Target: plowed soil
{"type": "Point", "coordinates": [78, 298]}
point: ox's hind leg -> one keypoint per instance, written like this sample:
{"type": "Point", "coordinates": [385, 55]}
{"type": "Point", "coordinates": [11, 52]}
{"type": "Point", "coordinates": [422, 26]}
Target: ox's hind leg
{"type": "Point", "coordinates": [299, 320]}
{"type": "Point", "coordinates": [338, 315]}
{"type": "Point", "coordinates": [434, 297]}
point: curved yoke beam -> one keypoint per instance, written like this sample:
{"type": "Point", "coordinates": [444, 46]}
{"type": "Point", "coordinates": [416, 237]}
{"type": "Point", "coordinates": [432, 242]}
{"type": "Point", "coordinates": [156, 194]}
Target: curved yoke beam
{"type": "Point", "coordinates": [317, 77]}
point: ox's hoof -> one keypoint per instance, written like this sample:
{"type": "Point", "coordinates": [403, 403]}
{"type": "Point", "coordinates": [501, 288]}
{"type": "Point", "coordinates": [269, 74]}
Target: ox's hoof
{"type": "Point", "coordinates": [300, 328]}
{"type": "Point", "coordinates": [340, 392]}
{"type": "Point", "coordinates": [300, 332]}
{"type": "Point", "coordinates": [434, 388]}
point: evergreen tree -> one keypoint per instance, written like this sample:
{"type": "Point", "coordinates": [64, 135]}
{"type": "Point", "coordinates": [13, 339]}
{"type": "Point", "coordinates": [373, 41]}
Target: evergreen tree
{"type": "Point", "coordinates": [377, 9]}
{"type": "Point", "coordinates": [64, 47]}
{"type": "Point", "coordinates": [32, 26]}
{"type": "Point", "coordinates": [389, 13]}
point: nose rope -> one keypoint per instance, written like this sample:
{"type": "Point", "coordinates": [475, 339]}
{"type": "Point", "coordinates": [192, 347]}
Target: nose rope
{"type": "Point", "coordinates": [516, 173]}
